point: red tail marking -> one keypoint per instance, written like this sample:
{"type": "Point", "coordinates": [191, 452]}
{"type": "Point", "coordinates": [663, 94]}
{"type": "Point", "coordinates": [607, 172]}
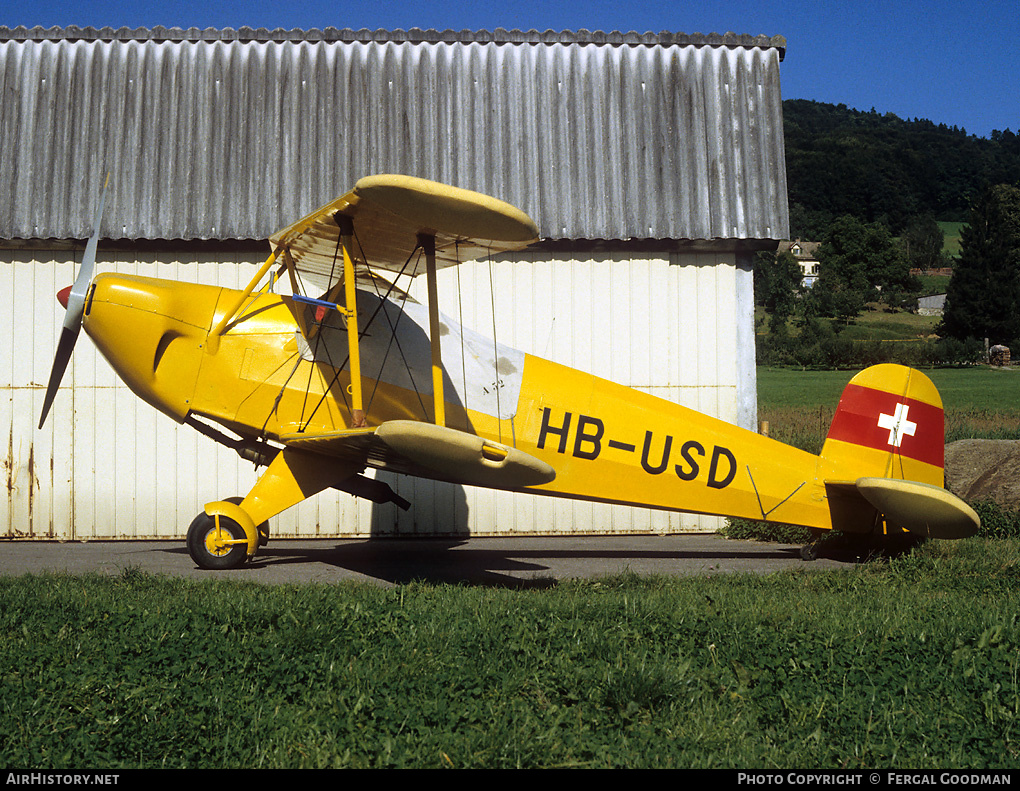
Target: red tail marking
{"type": "Point", "coordinates": [879, 420]}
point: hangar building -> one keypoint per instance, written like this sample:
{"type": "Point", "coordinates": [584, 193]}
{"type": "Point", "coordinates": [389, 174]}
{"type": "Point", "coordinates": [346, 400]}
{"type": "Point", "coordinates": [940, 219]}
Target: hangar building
{"type": "Point", "coordinates": [653, 165]}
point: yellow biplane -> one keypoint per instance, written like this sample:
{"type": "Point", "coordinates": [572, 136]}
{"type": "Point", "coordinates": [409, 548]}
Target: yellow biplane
{"type": "Point", "coordinates": [360, 375]}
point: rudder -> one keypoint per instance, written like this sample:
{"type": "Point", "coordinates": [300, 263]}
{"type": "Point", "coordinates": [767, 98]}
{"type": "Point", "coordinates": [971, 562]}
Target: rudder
{"type": "Point", "coordinates": [885, 451]}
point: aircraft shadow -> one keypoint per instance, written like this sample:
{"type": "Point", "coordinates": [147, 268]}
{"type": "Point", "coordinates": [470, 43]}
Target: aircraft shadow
{"type": "Point", "coordinates": [400, 562]}
{"type": "Point", "coordinates": [446, 561]}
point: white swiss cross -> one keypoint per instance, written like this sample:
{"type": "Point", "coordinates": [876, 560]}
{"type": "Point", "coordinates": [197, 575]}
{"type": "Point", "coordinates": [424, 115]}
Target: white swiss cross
{"type": "Point", "coordinates": [897, 424]}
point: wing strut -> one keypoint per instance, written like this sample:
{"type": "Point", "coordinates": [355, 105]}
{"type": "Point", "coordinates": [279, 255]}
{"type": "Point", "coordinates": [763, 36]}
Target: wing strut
{"type": "Point", "coordinates": [428, 243]}
{"type": "Point", "coordinates": [228, 316]}
{"type": "Point", "coordinates": [353, 341]}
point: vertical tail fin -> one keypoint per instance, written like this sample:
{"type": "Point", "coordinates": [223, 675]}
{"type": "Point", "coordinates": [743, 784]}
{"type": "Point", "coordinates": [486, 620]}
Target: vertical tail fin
{"type": "Point", "coordinates": [886, 447]}
{"type": "Point", "coordinates": [889, 424]}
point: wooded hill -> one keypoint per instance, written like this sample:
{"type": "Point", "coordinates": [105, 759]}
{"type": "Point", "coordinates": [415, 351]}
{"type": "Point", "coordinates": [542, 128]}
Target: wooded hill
{"type": "Point", "coordinates": [882, 168]}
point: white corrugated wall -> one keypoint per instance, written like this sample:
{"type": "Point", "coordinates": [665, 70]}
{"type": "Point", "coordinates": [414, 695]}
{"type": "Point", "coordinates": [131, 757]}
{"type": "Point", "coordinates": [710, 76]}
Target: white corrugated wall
{"type": "Point", "coordinates": [107, 465]}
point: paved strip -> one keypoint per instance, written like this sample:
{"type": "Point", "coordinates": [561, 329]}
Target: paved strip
{"type": "Point", "coordinates": [503, 561]}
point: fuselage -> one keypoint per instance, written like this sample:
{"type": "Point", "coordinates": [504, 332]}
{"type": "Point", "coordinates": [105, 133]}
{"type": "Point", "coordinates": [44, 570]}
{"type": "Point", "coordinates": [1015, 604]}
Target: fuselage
{"type": "Point", "coordinates": [279, 369]}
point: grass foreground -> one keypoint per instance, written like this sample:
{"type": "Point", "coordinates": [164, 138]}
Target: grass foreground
{"type": "Point", "coordinates": [908, 663]}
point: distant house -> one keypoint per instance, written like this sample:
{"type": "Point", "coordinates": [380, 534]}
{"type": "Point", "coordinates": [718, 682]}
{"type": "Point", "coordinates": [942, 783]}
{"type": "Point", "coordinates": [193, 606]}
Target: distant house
{"type": "Point", "coordinates": [931, 305]}
{"type": "Point", "coordinates": [805, 253]}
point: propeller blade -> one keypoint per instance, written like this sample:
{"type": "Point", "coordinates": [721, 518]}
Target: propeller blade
{"type": "Point", "coordinates": [76, 302]}
{"type": "Point", "coordinates": [64, 348]}
{"type": "Point", "coordinates": [75, 311]}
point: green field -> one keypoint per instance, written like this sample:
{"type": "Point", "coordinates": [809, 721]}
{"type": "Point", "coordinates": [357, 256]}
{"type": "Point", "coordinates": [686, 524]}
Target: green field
{"type": "Point", "coordinates": [876, 324]}
{"type": "Point", "coordinates": [962, 389]}
{"type": "Point", "coordinates": [899, 326]}
{"type": "Point", "coordinates": [933, 284]}
{"type": "Point", "coordinates": [911, 663]}
{"type": "Point", "coordinates": [951, 242]}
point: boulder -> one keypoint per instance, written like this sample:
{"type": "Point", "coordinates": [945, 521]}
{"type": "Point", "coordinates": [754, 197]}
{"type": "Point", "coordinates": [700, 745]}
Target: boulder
{"type": "Point", "coordinates": [984, 469]}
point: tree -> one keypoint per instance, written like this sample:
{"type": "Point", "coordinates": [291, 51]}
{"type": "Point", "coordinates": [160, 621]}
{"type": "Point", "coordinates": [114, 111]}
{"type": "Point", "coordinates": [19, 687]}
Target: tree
{"type": "Point", "coordinates": [856, 262]}
{"type": "Point", "coordinates": [776, 286]}
{"type": "Point", "coordinates": [922, 242]}
{"type": "Point", "coordinates": [878, 167]}
{"type": "Point", "coordinates": [983, 297]}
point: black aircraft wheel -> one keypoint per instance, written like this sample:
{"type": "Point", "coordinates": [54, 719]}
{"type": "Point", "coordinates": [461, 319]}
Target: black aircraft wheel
{"type": "Point", "coordinates": [809, 552]}
{"type": "Point", "coordinates": [206, 547]}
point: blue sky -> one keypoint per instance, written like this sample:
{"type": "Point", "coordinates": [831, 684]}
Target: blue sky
{"type": "Point", "coordinates": [952, 61]}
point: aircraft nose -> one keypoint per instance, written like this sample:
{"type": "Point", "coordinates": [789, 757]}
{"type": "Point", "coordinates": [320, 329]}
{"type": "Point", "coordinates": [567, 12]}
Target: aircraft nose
{"type": "Point", "coordinates": [63, 296]}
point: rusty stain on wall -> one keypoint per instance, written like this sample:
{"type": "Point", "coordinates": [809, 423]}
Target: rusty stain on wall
{"type": "Point", "coordinates": [22, 487]}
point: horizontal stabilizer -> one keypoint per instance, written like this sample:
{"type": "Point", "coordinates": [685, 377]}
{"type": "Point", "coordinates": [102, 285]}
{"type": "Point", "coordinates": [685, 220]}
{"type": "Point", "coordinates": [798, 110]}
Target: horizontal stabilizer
{"type": "Point", "coordinates": [922, 508]}
{"type": "Point", "coordinates": [430, 451]}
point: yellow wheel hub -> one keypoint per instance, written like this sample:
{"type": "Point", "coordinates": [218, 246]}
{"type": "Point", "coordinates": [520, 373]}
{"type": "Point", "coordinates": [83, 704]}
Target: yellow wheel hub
{"type": "Point", "coordinates": [218, 541]}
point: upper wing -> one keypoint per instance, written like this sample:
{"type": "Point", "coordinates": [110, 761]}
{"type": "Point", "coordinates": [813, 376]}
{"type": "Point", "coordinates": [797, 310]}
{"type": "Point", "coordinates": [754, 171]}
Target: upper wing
{"type": "Point", "coordinates": [389, 211]}
{"type": "Point", "coordinates": [430, 451]}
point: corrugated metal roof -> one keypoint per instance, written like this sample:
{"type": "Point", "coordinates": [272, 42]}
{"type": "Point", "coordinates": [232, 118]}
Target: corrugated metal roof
{"type": "Point", "coordinates": [414, 35]}
{"type": "Point", "coordinates": [233, 134]}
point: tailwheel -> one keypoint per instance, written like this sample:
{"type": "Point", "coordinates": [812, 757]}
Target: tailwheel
{"type": "Point", "coordinates": [217, 542]}
{"type": "Point", "coordinates": [810, 551]}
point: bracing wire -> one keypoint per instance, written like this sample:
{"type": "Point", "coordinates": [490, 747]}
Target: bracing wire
{"type": "Point", "coordinates": [319, 343]}
{"type": "Point", "coordinates": [393, 339]}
